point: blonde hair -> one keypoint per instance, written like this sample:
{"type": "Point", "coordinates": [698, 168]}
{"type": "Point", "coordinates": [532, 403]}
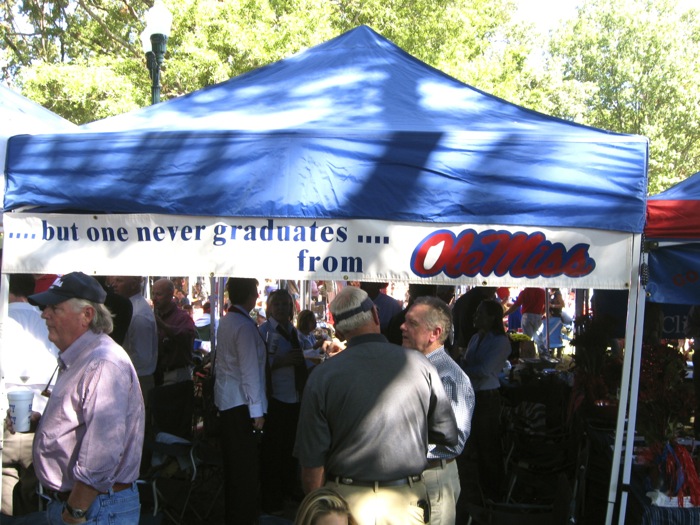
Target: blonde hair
{"type": "Point", "coordinates": [319, 503]}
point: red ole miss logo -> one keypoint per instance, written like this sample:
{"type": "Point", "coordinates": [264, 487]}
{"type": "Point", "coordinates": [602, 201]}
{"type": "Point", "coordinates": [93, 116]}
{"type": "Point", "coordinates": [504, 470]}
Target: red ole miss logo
{"type": "Point", "coordinates": [499, 253]}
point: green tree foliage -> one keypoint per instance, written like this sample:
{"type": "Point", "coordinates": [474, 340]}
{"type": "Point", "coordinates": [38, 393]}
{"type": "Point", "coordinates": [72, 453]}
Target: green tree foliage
{"type": "Point", "coordinates": [637, 64]}
{"type": "Point", "coordinates": [83, 58]}
{"type": "Point", "coordinates": [629, 66]}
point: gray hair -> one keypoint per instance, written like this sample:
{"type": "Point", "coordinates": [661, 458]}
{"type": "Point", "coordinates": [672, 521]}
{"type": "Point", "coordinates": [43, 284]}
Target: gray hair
{"type": "Point", "coordinates": [102, 321]}
{"type": "Point", "coordinates": [438, 315]}
{"type": "Point", "coordinates": [350, 298]}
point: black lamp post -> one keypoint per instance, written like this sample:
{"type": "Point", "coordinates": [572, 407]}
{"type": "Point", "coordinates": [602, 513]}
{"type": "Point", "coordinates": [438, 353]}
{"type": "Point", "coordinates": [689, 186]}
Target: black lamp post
{"type": "Point", "coordinates": [154, 39]}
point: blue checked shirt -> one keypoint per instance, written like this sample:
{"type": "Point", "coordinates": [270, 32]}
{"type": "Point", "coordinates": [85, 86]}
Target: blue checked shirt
{"type": "Point", "coordinates": [461, 395]}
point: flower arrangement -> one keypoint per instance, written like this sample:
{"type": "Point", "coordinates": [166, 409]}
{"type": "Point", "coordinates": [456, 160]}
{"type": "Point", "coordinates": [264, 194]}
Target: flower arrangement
{"type": "Point", "coordinates": [597, 374]}
{"type": "Point", "coordinates": [518, 338]}
{"type": "Point", "coordinates": [662, 410]}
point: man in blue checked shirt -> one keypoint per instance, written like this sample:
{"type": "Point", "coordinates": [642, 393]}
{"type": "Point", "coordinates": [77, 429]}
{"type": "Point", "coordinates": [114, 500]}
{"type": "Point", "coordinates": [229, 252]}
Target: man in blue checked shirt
{"type": "Point", "coordinates": [427, 326]}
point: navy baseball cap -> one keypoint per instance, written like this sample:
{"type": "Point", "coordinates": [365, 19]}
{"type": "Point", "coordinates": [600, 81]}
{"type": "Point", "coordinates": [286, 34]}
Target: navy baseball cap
{"type": "Point", "coordinates": [75, 285]}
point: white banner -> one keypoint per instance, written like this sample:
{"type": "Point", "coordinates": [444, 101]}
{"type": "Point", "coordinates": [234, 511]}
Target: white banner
{"type": "Point", "coordinates": [351, 250]}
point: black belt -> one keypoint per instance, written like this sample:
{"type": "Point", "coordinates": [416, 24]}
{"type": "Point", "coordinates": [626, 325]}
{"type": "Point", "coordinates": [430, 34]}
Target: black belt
{"type": "Point", "coordinates": [63, 496]}
{"type": "Point", "coordinates": [434, 463]}
{"type": "Point", "coordinates": [344, 480]}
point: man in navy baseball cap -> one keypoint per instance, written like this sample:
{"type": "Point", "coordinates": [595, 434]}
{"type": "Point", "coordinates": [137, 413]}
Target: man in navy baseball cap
{"type": "Point", "coordinates": [75, 285]}
{"type": "Point", "coordinates": [88, 443]}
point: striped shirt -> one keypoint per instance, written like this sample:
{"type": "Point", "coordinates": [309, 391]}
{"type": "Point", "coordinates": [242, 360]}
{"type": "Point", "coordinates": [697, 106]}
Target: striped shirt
{"type": "Point", "coordinates": [461, 395]}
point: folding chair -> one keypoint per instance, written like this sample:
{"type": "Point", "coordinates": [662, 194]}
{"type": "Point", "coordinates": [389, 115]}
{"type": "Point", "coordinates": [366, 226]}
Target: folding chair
{"type": "Point", "coordinates": [539, 450]}
{"type": "Point", "coordinates": [170, 441]}
{"type": "Point", "coordinates": [492, 513]}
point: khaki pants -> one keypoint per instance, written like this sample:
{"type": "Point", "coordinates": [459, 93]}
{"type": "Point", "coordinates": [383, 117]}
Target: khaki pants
{"type": "Point", "coordinates": [16, 466]}
{"type": "Point", "coordinates": [443, 487]}
{"type": "Point", "coordinates": [385, 505]}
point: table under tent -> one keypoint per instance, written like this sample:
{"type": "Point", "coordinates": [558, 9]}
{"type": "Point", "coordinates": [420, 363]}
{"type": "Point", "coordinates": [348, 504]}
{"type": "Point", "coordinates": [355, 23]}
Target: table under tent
{"type": "Point", "coordinates": [351, 160]}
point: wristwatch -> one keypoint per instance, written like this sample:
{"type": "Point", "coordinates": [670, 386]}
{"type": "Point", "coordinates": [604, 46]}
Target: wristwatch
{"type": "Point", "coordinates": [78, 514]}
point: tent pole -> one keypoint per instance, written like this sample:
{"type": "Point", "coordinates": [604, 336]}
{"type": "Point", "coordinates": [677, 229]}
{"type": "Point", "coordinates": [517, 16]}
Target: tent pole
{"type": "Point", "coordinates": [546, 319]}
{"type": "Point", "coordinates": [634, 390]}
{"type": "Point", "coordinates": [4, 300]}
{"type": "Point", "coordinates": [213, 310]}
{"type": "Point", "coordinates": [629, 384]}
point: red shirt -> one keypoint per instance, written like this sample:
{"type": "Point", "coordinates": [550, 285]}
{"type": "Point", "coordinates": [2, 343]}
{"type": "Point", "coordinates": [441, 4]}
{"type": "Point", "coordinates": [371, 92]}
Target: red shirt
{"type": "Point", "coordinates": [531, 301]}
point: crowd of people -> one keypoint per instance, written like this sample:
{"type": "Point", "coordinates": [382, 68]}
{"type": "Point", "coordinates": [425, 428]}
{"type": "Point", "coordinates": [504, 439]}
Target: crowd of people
{"type": "Point", "coordinates": [395, 420]}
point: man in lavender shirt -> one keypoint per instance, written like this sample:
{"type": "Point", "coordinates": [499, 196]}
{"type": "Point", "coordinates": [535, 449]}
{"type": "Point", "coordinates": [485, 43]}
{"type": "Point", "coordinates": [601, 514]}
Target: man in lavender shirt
{"type": "Point", "coordinates": [87, 447]}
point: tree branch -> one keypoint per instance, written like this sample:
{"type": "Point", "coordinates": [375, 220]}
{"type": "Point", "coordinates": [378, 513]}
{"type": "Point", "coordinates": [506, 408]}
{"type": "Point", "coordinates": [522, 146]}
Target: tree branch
{"type": "Point", "coordinates": [130, 9]}
{"type": "Point", "coordinates": [109, 33]}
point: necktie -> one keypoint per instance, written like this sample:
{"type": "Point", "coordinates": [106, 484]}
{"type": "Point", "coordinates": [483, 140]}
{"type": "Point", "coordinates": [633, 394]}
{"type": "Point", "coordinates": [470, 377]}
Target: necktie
{"type": "Point", "coordinates": [301, 373]}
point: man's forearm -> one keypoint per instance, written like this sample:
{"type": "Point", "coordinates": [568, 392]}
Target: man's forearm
{"type": "Point", "coordinates": [81, 497]}
{"type": "Point", "coordinates": [311, 478]}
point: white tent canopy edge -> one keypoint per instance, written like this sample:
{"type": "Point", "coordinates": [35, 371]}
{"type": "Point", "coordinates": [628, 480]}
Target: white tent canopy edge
{"type": "Point", "coordinates": [305, 249]}
{"type": "Point", "coordinates": [60, 243]}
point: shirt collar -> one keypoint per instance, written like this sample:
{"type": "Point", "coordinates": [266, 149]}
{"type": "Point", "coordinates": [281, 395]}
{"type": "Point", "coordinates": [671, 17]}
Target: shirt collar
{"type": "Point", "coordinates": [241, 309]}
{"type": "Point", "coordinates": [274, 324]}
{"type": "Point", "coordinates": [71, 354]}
{"type": "Point", "coordinates": [434, 352]}
{"type": "Point", "coordinates": [367, 338]}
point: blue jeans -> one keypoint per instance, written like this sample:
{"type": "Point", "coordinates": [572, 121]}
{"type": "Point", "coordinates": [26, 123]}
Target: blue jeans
{"type": "Point", "coordinates": [114, 508]}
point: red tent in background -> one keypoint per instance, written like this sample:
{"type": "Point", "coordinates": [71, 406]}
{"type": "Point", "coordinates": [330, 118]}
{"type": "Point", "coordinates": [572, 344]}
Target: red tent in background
{"type": "Point", "coordinates": [675, 213]}
{"type": "Point", "coordinates": [673, 232]}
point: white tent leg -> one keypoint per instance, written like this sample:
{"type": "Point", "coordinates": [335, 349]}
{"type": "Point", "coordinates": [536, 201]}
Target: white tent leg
{"type": "Point", "coordinates": [632, 416]}
{"type": "Point", "coordinates": [214, 309]}
{"type": "Point", "coordinates": [629, 386]}
{"type": "Point", "coordinates": [4, 300]}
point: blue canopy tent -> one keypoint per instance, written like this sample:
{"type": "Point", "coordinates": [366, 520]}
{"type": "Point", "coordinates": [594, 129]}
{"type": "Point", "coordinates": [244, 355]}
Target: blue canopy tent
{"type": "Point", "coordinates": [21, 115]}
{"type": "Point", "coordinates": [352, 128]}
{"type": "Point", "coordinates": [351, 160]}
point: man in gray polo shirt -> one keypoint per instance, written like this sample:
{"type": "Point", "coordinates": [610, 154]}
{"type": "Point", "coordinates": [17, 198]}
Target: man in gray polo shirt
{"type": "Point", "coordinates": [367, 416]}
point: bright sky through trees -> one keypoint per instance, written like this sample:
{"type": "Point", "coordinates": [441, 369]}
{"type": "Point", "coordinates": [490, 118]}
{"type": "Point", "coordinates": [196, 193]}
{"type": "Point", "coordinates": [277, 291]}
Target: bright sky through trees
{"type": "Point", "coordinates": [546, 13]}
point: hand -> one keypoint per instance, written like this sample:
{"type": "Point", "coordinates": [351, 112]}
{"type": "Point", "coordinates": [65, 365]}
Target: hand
{"type": "Point", "coordinates": [67, 518]}
{"type": "Point", "coordinates": [8, 423]}
{"type": "Point", "coordinates": [333, 347]}
{"type": "Point", "coordinates": [258, 423]}
{"type": "Point", "coordinates": [33, 422]}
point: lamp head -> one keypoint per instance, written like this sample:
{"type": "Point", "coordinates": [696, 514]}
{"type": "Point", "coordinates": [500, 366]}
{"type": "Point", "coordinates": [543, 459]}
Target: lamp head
{"type": "Point", "coordinates": [145, 37]}
{"type": "Point", "coordinates": [159, 21]}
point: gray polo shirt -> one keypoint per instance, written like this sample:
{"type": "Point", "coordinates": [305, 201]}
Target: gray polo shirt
{"type": "Point", "coordinates": [369, 412]}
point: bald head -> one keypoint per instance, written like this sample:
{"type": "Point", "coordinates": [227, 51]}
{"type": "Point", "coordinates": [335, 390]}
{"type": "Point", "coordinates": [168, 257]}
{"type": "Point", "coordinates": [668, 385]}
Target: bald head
{"type": "Point", "coordinates": [127, 285]}
{"type": "Point", "coordinates": [163, 290]}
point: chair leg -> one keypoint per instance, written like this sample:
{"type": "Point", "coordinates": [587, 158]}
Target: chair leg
{"type": "Point", "coordinates": [511, 487]}
{"type": "Point", "coordinates": [155, 499]}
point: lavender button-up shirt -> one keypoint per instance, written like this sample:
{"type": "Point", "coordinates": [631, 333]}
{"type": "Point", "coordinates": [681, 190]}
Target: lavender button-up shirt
{"type": "Point", "coordinates": [92, 428]}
